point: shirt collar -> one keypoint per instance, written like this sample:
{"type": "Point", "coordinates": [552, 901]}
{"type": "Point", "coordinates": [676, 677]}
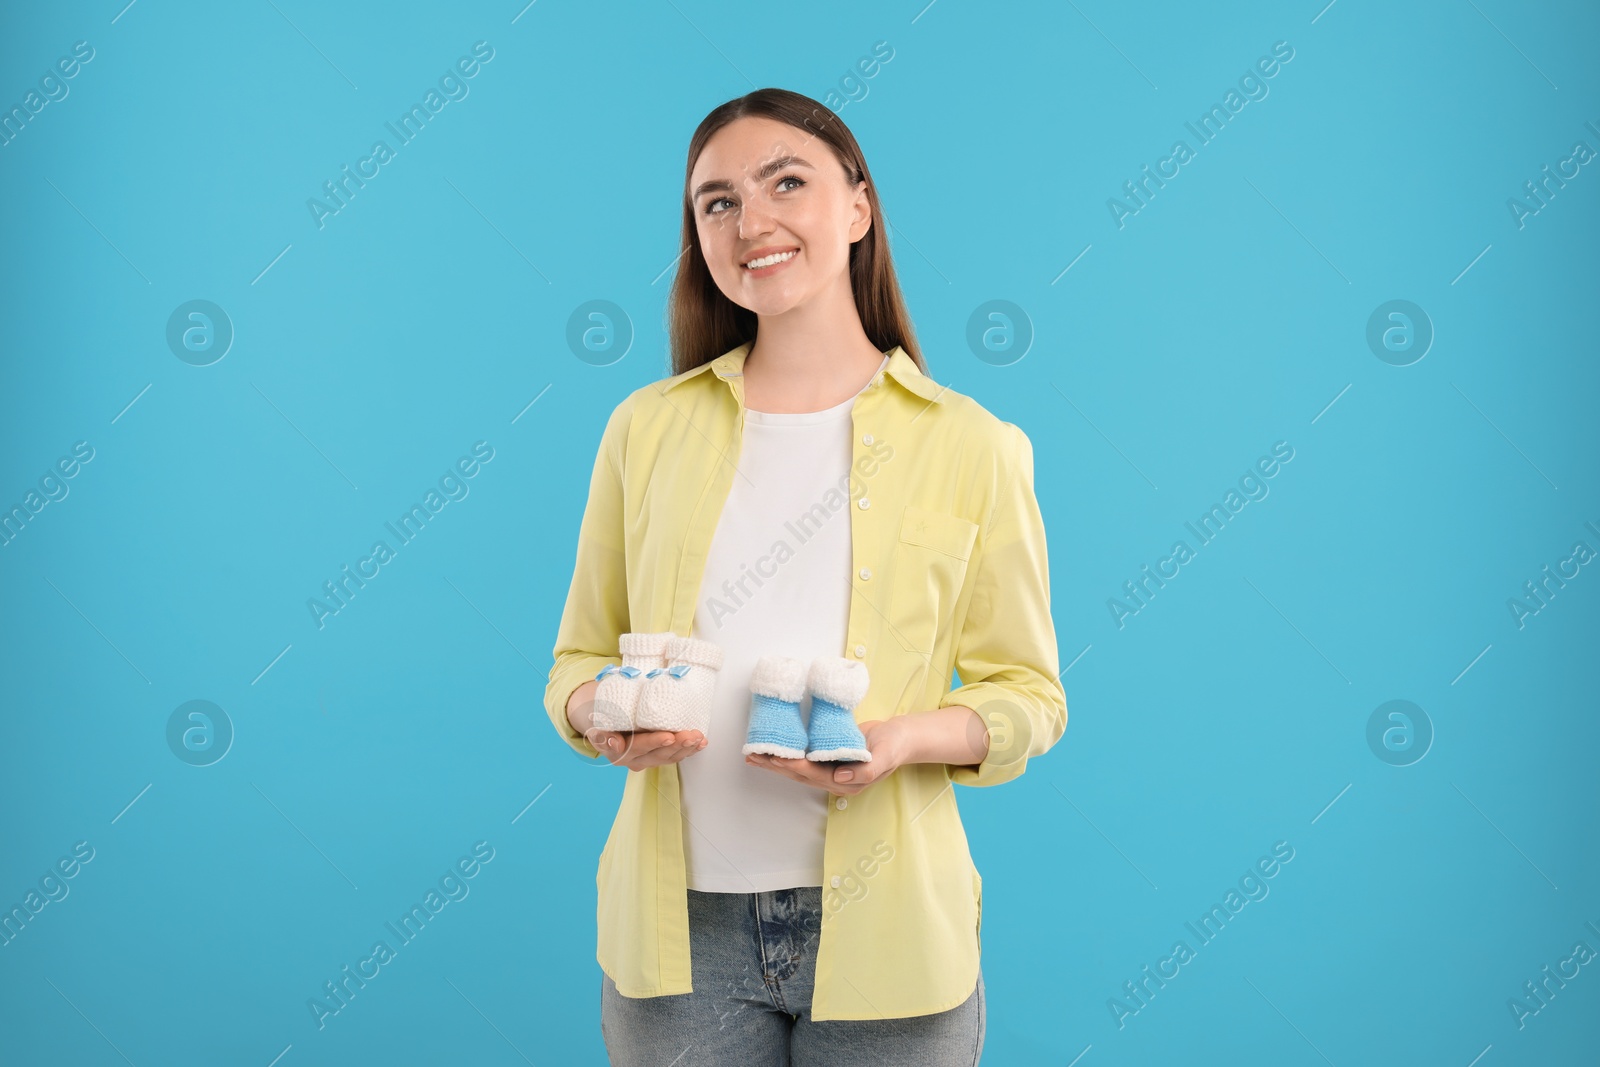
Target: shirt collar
{"type": "Point", "coordinates": [901, 367]}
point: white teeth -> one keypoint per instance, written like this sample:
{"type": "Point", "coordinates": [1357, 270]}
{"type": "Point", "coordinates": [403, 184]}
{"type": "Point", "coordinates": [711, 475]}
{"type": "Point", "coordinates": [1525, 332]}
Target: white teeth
{"type": "Point", "coordinates": [767, 261]}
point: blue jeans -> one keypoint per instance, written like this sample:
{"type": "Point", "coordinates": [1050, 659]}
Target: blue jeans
{"type": "Point", "coordinates": [753, 963]}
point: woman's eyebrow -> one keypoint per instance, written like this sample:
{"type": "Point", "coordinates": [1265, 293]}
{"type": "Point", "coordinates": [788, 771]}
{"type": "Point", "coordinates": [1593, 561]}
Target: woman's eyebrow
{"type": "Point", "coordinates": [722, 185]}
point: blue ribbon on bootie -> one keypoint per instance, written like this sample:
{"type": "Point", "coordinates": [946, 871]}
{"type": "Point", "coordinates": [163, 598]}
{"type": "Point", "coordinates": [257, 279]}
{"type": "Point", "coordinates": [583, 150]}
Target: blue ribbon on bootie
{"type": "Point", "coordinates": [627, 671]}
{"type": "Point", "coordinates": [677, 672]}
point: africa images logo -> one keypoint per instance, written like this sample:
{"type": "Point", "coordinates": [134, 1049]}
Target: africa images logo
{"type": "Point", "coordinates": [453, 87]}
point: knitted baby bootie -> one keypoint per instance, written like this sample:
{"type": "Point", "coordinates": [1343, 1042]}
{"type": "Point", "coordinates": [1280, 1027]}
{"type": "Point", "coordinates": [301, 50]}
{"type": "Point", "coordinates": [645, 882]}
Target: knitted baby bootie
{"type": "Point", "coordinates": [618, 696]}
{"type": "Point", "coordinates": [776, 688]}
{"type": "Point", "coordinates": [837, 686]}
{"type": "Point", "coordinates": [677, 696]}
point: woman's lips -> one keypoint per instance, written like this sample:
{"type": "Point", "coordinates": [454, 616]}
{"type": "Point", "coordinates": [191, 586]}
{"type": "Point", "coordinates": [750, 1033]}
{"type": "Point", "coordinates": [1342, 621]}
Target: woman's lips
{"type": "Point", "coordinates": [763, 272]}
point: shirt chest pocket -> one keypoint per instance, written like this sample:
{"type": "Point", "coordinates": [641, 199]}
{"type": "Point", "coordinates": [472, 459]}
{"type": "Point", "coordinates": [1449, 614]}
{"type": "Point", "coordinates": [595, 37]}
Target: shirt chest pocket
{"type": "Point", "coordinates": [930, 566]}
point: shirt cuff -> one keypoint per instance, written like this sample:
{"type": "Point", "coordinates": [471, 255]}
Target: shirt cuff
{"type": "Point", "coordinates": [1020, 726]}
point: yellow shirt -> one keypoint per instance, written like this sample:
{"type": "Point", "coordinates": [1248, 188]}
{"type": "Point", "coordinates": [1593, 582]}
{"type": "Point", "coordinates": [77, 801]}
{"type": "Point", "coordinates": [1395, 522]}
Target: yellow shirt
{"type": "Point", "coordinates": [948, 569]}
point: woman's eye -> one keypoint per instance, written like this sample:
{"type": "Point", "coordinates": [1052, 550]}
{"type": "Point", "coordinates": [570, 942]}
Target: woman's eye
{"type": "Point", "coordinates": [711, 206]}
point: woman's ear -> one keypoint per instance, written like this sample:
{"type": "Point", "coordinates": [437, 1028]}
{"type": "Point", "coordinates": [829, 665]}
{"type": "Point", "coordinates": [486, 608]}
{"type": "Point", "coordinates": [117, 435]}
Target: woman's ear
{"type": "Point", "coordinates": [861, 220]}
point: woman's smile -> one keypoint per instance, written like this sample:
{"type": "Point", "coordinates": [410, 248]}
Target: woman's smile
{"type": "Point", "coordinates": [770, 264]}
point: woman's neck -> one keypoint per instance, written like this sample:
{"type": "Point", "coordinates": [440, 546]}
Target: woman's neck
{"type": "Point", "coordinates": [790, 377]}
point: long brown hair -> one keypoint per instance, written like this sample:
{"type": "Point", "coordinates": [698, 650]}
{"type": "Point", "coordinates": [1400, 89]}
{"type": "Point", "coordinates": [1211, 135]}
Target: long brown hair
{"type": "Point", "coordinates": [702, 323]}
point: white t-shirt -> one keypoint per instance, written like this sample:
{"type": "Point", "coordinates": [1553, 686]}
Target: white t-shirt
{"type": "Point", "coordinates": [777, 583]}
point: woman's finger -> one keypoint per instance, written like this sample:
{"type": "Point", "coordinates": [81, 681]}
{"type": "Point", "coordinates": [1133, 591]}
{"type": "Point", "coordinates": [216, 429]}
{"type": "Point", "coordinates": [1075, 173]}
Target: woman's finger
{"type": "Point", "coordinates": [810, 772]}
{"type": "Point", "coordinates": [654, 748]}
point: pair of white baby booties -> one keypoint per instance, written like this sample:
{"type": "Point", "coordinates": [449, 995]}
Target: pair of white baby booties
{"type": "Point", "coordinates": [666, 682]}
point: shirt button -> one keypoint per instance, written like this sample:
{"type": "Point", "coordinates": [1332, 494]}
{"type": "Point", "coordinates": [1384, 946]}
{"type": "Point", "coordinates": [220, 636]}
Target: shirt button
{"type": "Point", "coordinates": [866, 572]}
{"type": "Point", "coordinates": [861, 651]}
{"type": "Point", "coordinates": [866, 438]}
{"type": "Point", "coordinates": [841, 803]}
{"type": "Point", "coordinates": [834, 881]}
{"type": "Point", "coordinates": [863, 503]}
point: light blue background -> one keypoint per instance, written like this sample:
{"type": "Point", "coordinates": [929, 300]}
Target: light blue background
{"type": "Point", "coordinates": [1229, 314]}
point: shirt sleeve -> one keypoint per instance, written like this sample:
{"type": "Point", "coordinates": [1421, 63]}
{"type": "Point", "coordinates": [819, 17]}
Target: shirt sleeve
{"type": "Point", "coordinates": [596, 611]}
{"type": "Point", "coordinates": [1006, 652]}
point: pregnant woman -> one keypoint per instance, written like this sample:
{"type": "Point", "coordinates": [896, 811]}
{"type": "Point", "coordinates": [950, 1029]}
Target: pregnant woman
{"type": "Point", "coordinates": [800, 491]}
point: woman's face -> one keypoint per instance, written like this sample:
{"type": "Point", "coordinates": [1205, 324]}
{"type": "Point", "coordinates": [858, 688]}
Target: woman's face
{"type": "Point", "coordinates": [762, 187]}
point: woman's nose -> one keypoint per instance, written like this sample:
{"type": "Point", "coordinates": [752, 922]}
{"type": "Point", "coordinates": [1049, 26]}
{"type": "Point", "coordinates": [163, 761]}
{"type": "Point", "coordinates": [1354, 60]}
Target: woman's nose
{"type": "Point", "coordinates": [754, 220]}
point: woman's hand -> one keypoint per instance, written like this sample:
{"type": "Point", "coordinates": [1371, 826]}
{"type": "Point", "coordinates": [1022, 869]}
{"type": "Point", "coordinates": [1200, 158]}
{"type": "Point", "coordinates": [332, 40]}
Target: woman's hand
{"type": "Point", "coordinates": [885, 740]}
{"type": "Point", "coordinates": [645, 748]}
{"type": "Point", "coordinates": [634, 750]}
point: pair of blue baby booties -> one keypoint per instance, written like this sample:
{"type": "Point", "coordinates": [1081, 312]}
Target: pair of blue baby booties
{"type": "Point", "coordinates": [779, 683]}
